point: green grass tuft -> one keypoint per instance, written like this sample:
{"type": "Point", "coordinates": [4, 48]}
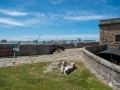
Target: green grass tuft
{"type": "Point", "coordinates": [31, 77]}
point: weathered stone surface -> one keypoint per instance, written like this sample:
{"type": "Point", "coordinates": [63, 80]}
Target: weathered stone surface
{"type": "Point", "coordinates": [68, 55]}
{"type": "Point", "coordinates": [52, 66]}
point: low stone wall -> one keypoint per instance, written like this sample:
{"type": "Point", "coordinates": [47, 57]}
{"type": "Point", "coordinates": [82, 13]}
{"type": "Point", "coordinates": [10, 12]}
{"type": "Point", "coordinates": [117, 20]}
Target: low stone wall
{"type": "Point", "coordinates": [5, 46]}
{"type": "Point", "coordinates": [67, 46]}
{"type": "Point", "coordinates": [104, 69]}
{"type": "Point", "coordinates": [26, 50]}
{"type": "Point", "coordinates": [32, 49]}
{"type": "Point", "coordinates": [115, 46]}
{"type": "Point", "coordinates": [80, 45]}
{"type": "Point", "coordinates": [96, 49]}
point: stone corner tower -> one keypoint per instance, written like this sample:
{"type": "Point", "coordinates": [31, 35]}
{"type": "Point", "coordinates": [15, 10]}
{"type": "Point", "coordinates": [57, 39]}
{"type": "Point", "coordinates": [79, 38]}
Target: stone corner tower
{"type": "Point", "coordinates": [110, 31]}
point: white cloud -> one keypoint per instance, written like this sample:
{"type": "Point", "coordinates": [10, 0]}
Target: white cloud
{"type": "Point", "coordinates": [12, 13]}
{"type": "Point", "coordinates": [32, 21]}
{"type": "Point", "coordinates": [10, 22]}
{"type": "Point", "coordinates": [38, 19]}
{"type": "Point", "coordinates": [84, 17]}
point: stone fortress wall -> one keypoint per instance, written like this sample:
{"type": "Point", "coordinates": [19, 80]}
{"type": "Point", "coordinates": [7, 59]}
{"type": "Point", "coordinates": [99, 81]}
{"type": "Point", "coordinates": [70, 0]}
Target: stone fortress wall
{"type": "Point", "coordinates": [36, 49]}
{"type": "Point", "coordinates": [5, 46]}
{"type": "Point", "coordinates": [104, 69]}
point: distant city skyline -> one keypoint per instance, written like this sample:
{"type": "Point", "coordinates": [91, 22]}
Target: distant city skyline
{"type": "Point", "coordinates": [25, 20]}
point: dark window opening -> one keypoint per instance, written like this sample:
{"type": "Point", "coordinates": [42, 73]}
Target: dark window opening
{"type": "Point", "coordinates": [117, 38]}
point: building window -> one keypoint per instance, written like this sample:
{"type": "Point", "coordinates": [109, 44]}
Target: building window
{"type": "Point", "coordinates": [117, 38]}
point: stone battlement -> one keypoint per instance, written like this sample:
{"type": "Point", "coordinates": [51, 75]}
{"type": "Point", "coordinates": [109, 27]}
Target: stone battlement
{"type": "Point", "coordinates": [110, 21]}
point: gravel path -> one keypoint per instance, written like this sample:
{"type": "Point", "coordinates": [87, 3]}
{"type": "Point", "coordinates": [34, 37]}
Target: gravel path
{"type": "Point", "coordinates": [68, 54]}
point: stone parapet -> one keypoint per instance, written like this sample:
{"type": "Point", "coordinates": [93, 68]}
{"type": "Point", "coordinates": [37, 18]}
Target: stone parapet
{"type": "Point", "coordinates": [104, 69]}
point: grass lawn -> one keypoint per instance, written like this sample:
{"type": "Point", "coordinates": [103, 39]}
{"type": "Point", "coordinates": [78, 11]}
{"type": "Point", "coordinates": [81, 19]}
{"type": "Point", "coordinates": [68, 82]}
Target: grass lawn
{"type": "Point", "coordinates": [31, 77]}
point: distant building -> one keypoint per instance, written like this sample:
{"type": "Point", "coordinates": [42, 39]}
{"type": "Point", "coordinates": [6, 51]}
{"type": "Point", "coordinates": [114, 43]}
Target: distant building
{"type": "Point", "coordinates": [78, 40]}
{"type": "Point", "coordinates": [3, 41]}
{"type": "Point", "coordinates": [110, 32]}
{"type": "Point", "coordinates": [35, 41]}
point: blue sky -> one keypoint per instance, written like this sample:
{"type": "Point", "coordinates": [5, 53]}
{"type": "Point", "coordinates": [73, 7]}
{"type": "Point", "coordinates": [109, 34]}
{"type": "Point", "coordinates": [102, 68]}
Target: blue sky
{"type": "Point", "coordinates": [54, 19]}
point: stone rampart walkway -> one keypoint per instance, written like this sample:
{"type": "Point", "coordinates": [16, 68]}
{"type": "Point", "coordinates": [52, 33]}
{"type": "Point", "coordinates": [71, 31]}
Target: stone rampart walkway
{"type": "Point", "coordinates": [68, 54]}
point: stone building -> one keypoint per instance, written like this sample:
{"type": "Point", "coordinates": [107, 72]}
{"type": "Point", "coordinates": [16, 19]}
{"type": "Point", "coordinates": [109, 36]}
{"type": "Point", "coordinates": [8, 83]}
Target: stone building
{"type": "Point", "coordinates": [110, 32]}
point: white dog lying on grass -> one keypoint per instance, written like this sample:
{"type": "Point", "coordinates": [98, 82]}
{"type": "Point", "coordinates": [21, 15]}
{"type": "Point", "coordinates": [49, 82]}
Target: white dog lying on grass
{"type": "Point", "coordinates": [67, 67]}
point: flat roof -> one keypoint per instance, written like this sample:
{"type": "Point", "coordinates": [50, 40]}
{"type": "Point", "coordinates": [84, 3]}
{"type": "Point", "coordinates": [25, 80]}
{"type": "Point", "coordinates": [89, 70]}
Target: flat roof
{"type": "Point", "coordinates": [110, 21]}
{"type": "Point", "coordinates": [110, 51]}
